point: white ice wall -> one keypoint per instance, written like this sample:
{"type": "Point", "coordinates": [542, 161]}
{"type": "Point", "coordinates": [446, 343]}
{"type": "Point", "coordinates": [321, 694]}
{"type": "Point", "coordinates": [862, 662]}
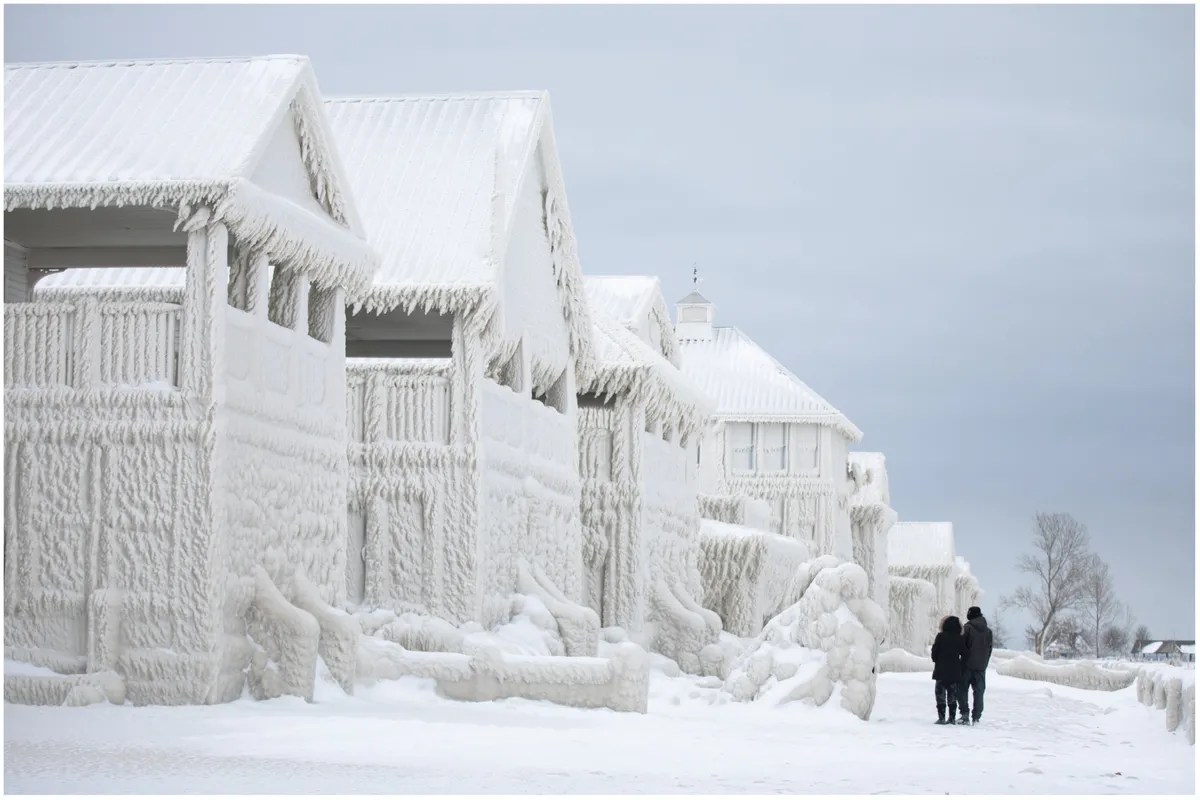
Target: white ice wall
{"type": "Point", "coordinates": [530, 504]}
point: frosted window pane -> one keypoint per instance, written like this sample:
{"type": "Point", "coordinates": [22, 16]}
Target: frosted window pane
{"type": "Point", "coordinates": [741, 442]}
{"type": "Point", "coordinates": [774, 446]}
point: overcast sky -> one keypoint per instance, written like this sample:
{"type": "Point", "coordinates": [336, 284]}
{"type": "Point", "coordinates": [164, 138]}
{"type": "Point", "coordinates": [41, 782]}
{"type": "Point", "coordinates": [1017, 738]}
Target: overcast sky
{"type": "Point", "coordinates": [971, 229]}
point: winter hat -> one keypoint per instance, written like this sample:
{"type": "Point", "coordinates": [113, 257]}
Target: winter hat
{"type": "Point", "coordinates": [974, 612]}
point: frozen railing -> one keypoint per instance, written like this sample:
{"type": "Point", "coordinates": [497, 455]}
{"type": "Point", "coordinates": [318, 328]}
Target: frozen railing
{"type": "Point", "coordinates": [398, 400]}
{"type": "Point", "coordinates": [663, 458]}
{"type": "Point", "coordinates": [524, 424]}
{"type": "Point", "coordinates": [131, 344]}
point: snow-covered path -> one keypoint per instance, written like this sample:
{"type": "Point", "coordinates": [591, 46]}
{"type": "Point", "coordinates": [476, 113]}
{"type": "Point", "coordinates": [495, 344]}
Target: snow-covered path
{"type": "Point", "coordinates": [400, 737]}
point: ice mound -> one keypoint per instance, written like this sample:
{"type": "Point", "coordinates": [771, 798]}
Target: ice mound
{"type": "Point", "coordinates": [825, 642]}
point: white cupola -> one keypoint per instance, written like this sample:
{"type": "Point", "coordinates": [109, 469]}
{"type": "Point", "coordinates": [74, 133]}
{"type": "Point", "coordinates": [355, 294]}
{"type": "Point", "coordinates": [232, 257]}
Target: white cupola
{"type": "Point", "coordinates": [694, 318]}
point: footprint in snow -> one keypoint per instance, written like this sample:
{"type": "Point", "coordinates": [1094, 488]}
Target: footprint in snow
{"type": "Point", "coordinates": [1033, 770]}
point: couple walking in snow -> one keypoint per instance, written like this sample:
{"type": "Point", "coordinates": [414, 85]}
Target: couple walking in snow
{"type": "Point", "coordinates": [960, 658]}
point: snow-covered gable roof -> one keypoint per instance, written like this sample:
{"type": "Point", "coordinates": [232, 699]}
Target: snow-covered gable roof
{"type": "Point", "coordinates": [918, 544]}
{"type": "Point", "coordinates": [748, 384]}
{"type": "Point", "coordinates": [634, 301]}
{"type": "Point", "coordinates": [1151, 648]}
{"type": "Point", "coordinates": [185, 133]}
{"type": "Point", "coordinates": [625, 363]}
{"type": "Point", "coordinates": [437, 178]}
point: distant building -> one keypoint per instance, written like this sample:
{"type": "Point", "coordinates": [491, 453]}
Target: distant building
{"type": "Point", "coordinates": [1169, 650]}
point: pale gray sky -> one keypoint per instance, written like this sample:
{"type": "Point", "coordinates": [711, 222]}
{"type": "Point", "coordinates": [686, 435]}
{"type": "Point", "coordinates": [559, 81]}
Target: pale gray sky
{"type": "Point", "coordinates": [970, 228]}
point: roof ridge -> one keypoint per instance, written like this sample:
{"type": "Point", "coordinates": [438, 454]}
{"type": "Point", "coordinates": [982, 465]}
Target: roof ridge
{"type": "Point", "coordinates": [515, 94]}
{"type": "Point", "coordinates": [121, 62]}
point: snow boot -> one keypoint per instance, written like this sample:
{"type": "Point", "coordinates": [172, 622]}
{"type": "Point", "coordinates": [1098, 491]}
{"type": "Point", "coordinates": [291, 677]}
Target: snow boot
{"type": "Point", "coordinates": [963, 720]}
{"type": "Point", "coordinates": [941, 720]}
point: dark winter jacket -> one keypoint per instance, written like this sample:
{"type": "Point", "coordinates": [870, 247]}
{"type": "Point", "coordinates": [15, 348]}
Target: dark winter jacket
{"type": "Point", "coordinates": [947, 653]}
{"type": "Point", "coordinates": [978, 638]}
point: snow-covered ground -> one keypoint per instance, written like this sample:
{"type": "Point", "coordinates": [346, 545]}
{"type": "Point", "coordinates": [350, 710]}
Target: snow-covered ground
{"type": "Point", "coordinates": [400, 737]}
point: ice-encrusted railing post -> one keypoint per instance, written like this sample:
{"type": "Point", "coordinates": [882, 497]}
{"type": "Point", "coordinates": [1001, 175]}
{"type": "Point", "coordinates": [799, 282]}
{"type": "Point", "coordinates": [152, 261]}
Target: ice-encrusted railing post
{"type": "Point", "coordinates": [204, 299]}
{"type": "Point", "coordinates": [87, 334]}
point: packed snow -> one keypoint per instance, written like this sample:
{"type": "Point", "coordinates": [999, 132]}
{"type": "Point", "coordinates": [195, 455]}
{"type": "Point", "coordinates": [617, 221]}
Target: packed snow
{"type": "Point", "coordinates": [400, 736]}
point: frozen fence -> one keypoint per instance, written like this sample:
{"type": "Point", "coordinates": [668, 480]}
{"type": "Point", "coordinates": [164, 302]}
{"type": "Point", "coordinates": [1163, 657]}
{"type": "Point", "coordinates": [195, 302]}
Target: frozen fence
{"type": "Point", "coordinates": [1172, 689]}
{"type": "Point", "coordinates": [91, 344]}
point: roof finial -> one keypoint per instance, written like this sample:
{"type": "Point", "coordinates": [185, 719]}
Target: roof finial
{"type": "Point", "coordinates": [695, 276]}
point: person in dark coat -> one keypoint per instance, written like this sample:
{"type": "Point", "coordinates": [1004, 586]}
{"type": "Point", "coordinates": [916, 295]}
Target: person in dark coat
{"type": "Point", "coordinates": [978, 640]}
{"type": "Point", "coordinates": [948, 652]}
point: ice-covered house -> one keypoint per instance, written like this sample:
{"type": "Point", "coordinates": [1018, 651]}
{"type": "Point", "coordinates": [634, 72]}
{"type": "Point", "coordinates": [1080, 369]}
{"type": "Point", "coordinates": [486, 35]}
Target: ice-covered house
{"type": "Point", "coordinates": [771, 438]}
{"type": "Point", "coordinates": [175, 454]}
{"type": "Point", "coordinates": [638, 419]}
{"type": "Point", "coordinates": [463, 358]}
{"type": "Point", "coordinates": [928, 581]}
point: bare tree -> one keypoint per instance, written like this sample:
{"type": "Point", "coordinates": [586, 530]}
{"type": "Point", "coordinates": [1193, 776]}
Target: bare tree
{"type": "Point", "coordinates": [1058, 565]}
{"type": "Point", "coordinates": [999, 632]}
{"type": "Point", "coordinates": [1099, 605]}
{"type": "Point", "coordinates": [1141, 636]}
{"type": "Point", "coordinates": [1115, 639]}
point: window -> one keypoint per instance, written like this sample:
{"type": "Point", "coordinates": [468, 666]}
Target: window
{"type": "Point", "coordinates": [741, 445]}
{"type": "Point", "coordinates": [694, 314]}
{"type": "Point", "coordinates": [774, 446]}
{"type": "Point", "coordinates": [806, 448]}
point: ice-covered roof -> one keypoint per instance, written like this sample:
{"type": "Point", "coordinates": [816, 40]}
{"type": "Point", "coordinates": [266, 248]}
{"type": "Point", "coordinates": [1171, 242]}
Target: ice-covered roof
{"type": "Point", "coordinates": [1151, 648]}
{"type": "Point", "coordinates": [623, 298]}
{"type": "Point", "coordinates": [427, 172]}
{"type": "Point", "coordinates": [917, 544]}
{"type": "Point", "coordinates": [631, 300]}
{"type": "Point", "coordinates": [625, 363]}
{"type": "Point", "coordinates": [1188, 649]}
{"type": "Point", "coordinates": [747, 383]}
{"type": "Point", "coordinates": [185, 133]}
{"type": "Point", "coordinates": [693, 298]}
{"type": "Point", "coordinates": [167, 282]}
{"type": "Point", "coordinates": [437, 178]}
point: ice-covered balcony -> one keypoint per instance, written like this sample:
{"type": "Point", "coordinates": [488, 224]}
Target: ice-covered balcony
{"type": "Point", "coordinates": [89, 344]}
{"type": "Point", "coordinates": [398, 400]}
{"type": "Point", "coordinates": [399, 378]}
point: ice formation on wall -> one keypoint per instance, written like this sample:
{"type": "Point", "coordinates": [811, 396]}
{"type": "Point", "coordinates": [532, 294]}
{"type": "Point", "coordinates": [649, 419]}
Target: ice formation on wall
{"type": "Point", "coordinates": [823, 644]}
{"type": "Point", "coordinates": [747, 573]}
{"type": "Point", "coordinates": [639, 482]}
{"type": "Point", "coordinates": [912, 620]}
{"type": "Point", "coordinates": [927, 582]}
{"type": "Point", "coordinates": [871, 517]}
